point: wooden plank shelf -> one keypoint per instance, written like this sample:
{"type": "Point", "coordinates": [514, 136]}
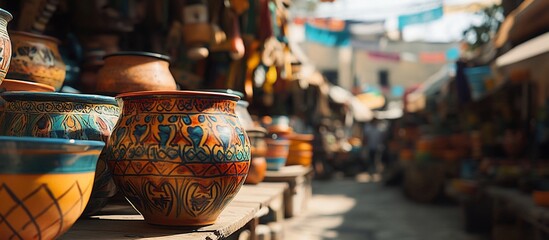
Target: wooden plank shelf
{"type": "Point", "coordinates": [269, 195]}
{"type": "Point", "coordinates": [121, 221]}
{"type": "Point", "coordinates": [129, 224]}
{"type": "Point", "coordinates": [299, 179]}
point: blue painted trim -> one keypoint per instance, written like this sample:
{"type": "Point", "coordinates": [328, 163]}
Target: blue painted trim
{"type": "Point", "coordinates": [29, 155]}
{"type": "Point", "coordinates": [58, 97]}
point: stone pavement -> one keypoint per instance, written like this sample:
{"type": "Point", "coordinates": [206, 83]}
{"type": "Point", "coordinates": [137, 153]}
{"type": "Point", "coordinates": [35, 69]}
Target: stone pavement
{"type": "Point", "coordinates": [346, 209]}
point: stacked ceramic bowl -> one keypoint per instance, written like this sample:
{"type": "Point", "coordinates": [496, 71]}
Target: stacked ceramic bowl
{"type": "Point", "coordinates": [44, 185]}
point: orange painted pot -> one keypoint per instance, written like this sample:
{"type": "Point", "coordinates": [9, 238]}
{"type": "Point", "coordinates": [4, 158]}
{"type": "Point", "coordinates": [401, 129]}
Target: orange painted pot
{"type": "Point", "coordinates": [301, 150]}
{"type": "Point", "coordinates": [258, 165]}
{"type": "Point", "coordinates": [179, 156]}
{"type": "Point", "coordinates": [36, 58]}
{"type": "Point", "coordinates": [303, 158]}
{"type": "Point", "coordinates": [5, 43]}
{"type": "Point", "coordinates": [45, 184]}
{"type": "Point", "coordinates": [134, 71]}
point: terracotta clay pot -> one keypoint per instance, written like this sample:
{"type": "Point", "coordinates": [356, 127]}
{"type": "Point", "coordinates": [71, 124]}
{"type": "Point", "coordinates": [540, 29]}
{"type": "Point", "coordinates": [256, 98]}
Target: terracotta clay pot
{"type": "Point", "coordinates": [258, 165]}
{"type": "Point", "coordinates": [36, 58]}
{"type": "Point", "coordinates": [45, 184]}
{"type": "Point", "coordinates": [69, 116]}
{"type": "Point", "coordinates": [301, 150]}
{"type": "Point", "coordinates": [179, 156]}
{"type": "Point", "coordinates": [17, 85]}
{"type": "Point", "coordinates": [241, 108]}
{"type": "Point", "coordinates": [5, 43]}
{"type": "Point", "coordinates": [134, 71]}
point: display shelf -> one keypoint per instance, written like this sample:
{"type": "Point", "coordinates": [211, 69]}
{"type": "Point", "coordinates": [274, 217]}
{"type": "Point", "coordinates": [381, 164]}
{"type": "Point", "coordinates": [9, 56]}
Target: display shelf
{"type": "Point", "coordinates": [299, 179]}
{"type": "Point", "coordinates": [121, 221]}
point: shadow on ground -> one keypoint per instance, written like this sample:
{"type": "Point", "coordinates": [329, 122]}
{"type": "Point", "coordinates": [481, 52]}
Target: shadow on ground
{"type": "Point", "coordinates": [346, 209]}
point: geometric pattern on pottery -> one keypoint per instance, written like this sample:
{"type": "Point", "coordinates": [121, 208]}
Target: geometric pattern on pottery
{"type": "Point", "coordinates": [185, 158]}
{"type": "Point", "coordinates": [68, 120]}
{"type": "Point", "coordinates": [22, 218]}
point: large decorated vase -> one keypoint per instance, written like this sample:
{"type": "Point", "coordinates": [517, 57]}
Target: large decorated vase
{"type": "Point", "coordinates": [179, 156]}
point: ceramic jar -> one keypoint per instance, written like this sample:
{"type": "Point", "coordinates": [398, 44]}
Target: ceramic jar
{"type": "Point", "coordinates": [277, 153]}
{"type": "Point", "coordinates": [134, 71]}
{"type": "Point", "coordinates": [258, 165]}
{"type": "Point", "coordinates": [179, 156]}
{"type": "Point", "coordinates": [64, 115]}
{"type": "Point", "coordinates": [5, 43]}
{"type": "Point", "coordinates": [44, 185]}
{"type": "Point", "coordinates": [36, 58]}
{"type": "Point", "coordinates": [241, 108]}
{"type": "Point", "coordinates": [300, 150]}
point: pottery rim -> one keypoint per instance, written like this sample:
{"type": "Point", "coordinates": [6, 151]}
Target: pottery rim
{"type": "Point", "coordinates": [138, 53]}
{"type": "Point", "coordinates": [228, 90]}
{"type": "Point", "coordinates": [33, 35]}
{"type": "Point", "coordinates": [257, 130]}
{"type": "Point", "coordinates": [55, 96]}
{"type": "Point", "coordinates": [178, 92]}
{"type": "Point", "coordinates": [6, 15]}
{"type": "Point", "coordinates": [46, 88]}
{"type": "Point", "coordinates": [71, 145]}
{"type": "Point", "coordinates": [301, 137]}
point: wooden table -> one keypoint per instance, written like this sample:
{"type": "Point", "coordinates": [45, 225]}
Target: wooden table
{"type": "Point", "coordinates": [299, 179]}
{"type": "Point", "coordinates": [516, 215]}
{"type": "Point", "coordinates": [123, 222]}
{"type": "Point", "coordinates": [270, 196]}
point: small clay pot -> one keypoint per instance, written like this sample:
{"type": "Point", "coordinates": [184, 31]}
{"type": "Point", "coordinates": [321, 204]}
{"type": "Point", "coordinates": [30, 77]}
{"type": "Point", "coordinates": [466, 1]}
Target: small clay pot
{"type": "Point", "coordinates": [36, 58]}
{"type": "Point", "coordinates": [277, 153]}
{"type": "Point", "coordinates": [258, 164]}
{"type": "Point", "coordinates": [5, 44]}
{"type": "Point", "coordinates": [301, 150]}
{"type": "Point", "coordinates": [125, 72]}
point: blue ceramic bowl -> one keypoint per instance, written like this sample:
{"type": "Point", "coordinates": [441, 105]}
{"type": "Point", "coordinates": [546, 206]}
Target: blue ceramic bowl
{"type": "Point", "coordinates": [275, 164]}
{"type": "Point", "coordinates": [45, 184]}
{"type": "Point", "coordinates": [32, 155]}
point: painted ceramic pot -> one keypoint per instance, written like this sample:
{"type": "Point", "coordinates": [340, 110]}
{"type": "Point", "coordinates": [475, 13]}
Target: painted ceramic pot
{"type": "Point", "coordinates": [179, 156]}
{"type": "Point", "coordinates": [241, 108]}
{"type": "Point", "coordinates": [69, 116]}
{"type": "Point", "coordinates": [44, 185]}
{"type": "Point", "coordinates": [36, 58]}
{"type": "Point", "coordinates": [300, 150]}
{"type": "Point", "coordinates": [5, 43]}
{"type": "Point", "coordinates": [134, 71]}
{"type": "Point", "coordinates": [258, 165]}
{"type": "Point", "coordinates": [277, 153]}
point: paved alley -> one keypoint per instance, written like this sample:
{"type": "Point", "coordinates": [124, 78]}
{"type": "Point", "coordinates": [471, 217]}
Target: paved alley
{"type": "Point", "coordinates": [346, 209]}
